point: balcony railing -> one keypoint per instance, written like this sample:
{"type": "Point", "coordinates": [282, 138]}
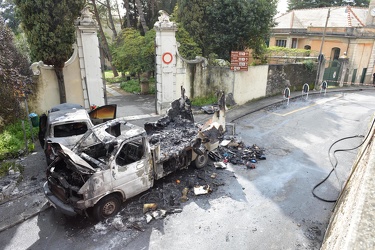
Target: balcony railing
{"type": "Point", "coordinates": [318, 31]}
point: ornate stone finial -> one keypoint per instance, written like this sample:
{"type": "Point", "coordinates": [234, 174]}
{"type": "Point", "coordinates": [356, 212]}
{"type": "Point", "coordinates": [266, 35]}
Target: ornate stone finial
{"type": "Point", "coordinates": [35, 68]}
{"type": "Point", "coordinates": [86, 17]}
{"type": "Point", "coordinates": [164, 16]}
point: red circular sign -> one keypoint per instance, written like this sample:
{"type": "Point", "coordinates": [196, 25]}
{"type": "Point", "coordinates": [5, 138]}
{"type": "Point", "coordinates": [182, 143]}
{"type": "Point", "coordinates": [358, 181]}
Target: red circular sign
{"type": "Point", "coordinates": [167, 58]}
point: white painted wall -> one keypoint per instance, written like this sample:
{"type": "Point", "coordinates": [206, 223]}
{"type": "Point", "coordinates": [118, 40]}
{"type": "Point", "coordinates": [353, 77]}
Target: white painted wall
{"type": "Point", "coordinates": [90, 66]}
{"type": "Point", "coordinates": [166, 51]}
{"type": "Point", "coordinates": [197, 77]}
{"type": "Point", "coordinates": [203, 80]}
{"type": "Point", "coordinates": [47, 92]}
{"type": "Point", "coordinates": [82, 73]}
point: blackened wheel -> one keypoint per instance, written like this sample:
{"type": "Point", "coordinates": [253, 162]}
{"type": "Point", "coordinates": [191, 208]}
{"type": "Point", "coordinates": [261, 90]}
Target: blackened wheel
{"type": "Point", "coordinates": [106, 207]}
{"type": "Point", "coordinates": [201, 160]}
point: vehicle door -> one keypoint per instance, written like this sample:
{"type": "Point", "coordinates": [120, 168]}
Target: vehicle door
{"type": "Point", "coordinates": [103, 114]}
{"type": "Point", "coordinates": [131, 169]}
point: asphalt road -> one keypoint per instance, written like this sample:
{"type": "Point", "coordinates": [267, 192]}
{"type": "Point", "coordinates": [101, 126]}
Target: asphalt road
{"type": "Point", "coordinates": [270, 207]}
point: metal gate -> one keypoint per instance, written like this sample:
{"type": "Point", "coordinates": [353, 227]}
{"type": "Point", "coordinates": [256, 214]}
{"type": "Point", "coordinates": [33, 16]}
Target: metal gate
{"type": "Point", "coordinates": [331, 73]}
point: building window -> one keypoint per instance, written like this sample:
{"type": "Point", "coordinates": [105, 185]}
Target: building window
{"type": "Point", "coordinates": [281, 43]}
{"type": "Point", "coordinates": [335, 53]}
{"type": "Point", "coordinates": [307, 47]}
{"type": "Point", "coordinates": [294, 43]}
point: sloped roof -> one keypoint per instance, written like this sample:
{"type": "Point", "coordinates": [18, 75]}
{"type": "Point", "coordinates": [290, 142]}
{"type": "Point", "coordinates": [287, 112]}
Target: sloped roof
{"type": "Point", "coordinates": [345, 16]}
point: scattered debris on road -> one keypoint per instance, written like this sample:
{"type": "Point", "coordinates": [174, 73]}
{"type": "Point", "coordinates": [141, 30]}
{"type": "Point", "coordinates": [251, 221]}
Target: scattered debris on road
{"type": "Point", "coordinates": [205, 189]}
{"type": "Point", "coordinates": [234, 150]}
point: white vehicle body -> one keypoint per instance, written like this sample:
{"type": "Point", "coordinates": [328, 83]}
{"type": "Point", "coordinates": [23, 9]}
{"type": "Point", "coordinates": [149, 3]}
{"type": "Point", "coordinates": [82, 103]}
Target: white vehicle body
{"type": "Point", "coordinates": [116, 160]}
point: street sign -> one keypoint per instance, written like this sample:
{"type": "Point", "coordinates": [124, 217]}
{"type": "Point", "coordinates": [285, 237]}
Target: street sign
{"type": "Point", "coordinates": [239, 60]}
{"type": "Point", "coordinates": [167, 58]}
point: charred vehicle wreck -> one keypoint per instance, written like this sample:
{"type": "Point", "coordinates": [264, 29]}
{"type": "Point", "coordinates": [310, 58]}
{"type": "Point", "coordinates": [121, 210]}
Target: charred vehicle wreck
{"type": "Point", "coordinates": [116, 160]}
{"type": "Point", "coordinates": [66, 123]}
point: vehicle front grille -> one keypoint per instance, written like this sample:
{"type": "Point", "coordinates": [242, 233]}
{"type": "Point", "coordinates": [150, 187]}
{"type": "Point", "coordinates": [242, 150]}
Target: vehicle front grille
{"type": "Point", "coordinates": [57, 190]}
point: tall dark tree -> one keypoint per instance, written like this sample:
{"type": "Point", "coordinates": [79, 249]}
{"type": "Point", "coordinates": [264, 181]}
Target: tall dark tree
{"type": "Point", "coordinates": [127, 22]}
{"type": "Point", "coordinates": [105, 11]}
{"type": "Point", "coordinates": [8, 14]}
{"type": "Point", "coordinates": [15, 80]}
{"type": "Point", "coordinates": [135, 53]}
{"type": "Point", "coordinates": [103, 40]}
{"type": "Point", "coordinates": [144, 13]}
{"type": "Point", "coordinates": [219, 26]}
{"type": "Point", "coordinates": [305, 4]}
{"type": "Point", "coordinates": [167, 5]}
{"type": "Point", "coordinates": [50, 31]}
{"type": "Point", "coordinates": [192, 14]}
{"type": "Point", "coordinates": [142, 19]}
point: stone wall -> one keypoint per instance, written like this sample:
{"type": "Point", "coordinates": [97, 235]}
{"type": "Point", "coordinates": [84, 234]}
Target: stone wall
{"type": "Point", "coordinates": [293, 76]}
{"type": "Point", "coordinates": [200, 79]}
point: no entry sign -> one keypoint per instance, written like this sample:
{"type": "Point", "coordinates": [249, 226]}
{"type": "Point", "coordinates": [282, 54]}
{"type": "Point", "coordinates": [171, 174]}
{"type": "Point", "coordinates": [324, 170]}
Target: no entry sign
{"type": "Point", "coordinates": [167, 58]}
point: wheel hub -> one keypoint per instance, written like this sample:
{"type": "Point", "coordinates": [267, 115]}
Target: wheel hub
{"type": "Point", "coordinates": [109, 208]}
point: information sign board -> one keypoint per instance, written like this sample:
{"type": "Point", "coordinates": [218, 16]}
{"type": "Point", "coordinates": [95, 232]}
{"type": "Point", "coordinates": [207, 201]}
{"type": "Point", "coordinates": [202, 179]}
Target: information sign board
{"type": "Point", "coordinates": [239, 60]}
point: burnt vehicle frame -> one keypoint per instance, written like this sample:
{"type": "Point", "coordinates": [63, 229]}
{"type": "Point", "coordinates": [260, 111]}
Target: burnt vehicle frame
{"type": "Point", "coordinates": [116, 160]}
{"type": "Point", "coordinates": [67, 122]}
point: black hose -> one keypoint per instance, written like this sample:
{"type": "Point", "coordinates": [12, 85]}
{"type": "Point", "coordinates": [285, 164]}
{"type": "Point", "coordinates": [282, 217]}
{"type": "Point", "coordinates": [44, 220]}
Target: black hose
{"type": "Point", "coordinates": [336, 161]}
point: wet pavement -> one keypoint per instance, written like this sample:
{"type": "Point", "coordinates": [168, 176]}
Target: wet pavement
{"type": "Point", "coordinates": [27, 200]}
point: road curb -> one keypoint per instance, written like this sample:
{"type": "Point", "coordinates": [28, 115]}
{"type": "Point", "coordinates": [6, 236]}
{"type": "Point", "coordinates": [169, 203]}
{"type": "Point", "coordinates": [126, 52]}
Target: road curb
{"type": "Point", "coordinates": [283, 100]}
{"type": "Point", "coordinates": [244, 109]}
{"type": "Point", "coordinates": [23, 208]}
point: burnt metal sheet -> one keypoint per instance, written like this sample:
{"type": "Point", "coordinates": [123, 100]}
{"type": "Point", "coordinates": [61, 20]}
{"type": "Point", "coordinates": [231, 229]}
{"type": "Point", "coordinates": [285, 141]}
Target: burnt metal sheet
{"type": "Point", "coordinates": [65, 106]}
{"type": "Point", "coordinates": [67, 154]}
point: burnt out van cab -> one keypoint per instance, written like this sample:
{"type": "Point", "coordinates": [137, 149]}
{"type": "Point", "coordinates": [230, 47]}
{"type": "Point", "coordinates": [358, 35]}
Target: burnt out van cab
{"type": "Point", "coordinates": [66, 123]}
{"type": "Point", "coordinates": [116, 160]}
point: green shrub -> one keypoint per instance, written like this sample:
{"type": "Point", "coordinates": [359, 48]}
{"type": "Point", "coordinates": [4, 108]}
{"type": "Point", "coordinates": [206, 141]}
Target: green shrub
{"type": "Point", "coordinates": [115, 80]}
{"type": "Point", "coordinates": [133, 86]}
{"type": "Point", "coordinates": [108, 74]}
{"type": "Point", "coordinates": [12, 141]}
{"type": "Point", "coordinates": [309, 64]}
{"type": "Point", "coordinates": [283, 51]}
{"type": "Point", "coordinates": [204, 100]}
{"type": "Point", "coordinates": [8, 165]}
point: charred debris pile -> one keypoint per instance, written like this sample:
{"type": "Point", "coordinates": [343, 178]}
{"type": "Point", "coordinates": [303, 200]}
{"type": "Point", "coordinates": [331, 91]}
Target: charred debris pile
{"type": "Point", "coordinates": [235, 151]}
{"type": "Point", "coordinates": [175, 131]}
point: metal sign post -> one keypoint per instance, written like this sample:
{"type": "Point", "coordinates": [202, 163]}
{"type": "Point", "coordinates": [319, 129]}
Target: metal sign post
{"type": "Point", "coordinates": [305, 90]}
{"type": "Point", "coordinates": [324, 87]}
{"type": "Point", "coordinates": [287, 95]}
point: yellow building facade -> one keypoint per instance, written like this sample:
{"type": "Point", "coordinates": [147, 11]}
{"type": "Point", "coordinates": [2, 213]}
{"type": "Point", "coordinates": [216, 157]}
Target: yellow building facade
{"type": "Point", "coordinates": [336, 32]}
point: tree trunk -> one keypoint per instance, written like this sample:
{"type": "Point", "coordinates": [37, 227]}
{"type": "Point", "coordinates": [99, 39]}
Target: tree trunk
{"type": "Point", "coordinates": [119, 15]}
{"type": "Point", "coordinates": [104, 39]}
{"type": "Point", "coordinates": [60, 80]}
{"type": "Point", "coordinates": [141, 15]}
{"type": "Point", "coordinates": [127, 15]}
{"type": "Point", "coordinates": [153, 7]}
{"type": "Point", "coordinates": [110, 18]}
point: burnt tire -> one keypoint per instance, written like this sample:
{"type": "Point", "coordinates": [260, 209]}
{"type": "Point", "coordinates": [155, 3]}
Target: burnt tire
{"type": "Point", "coordinates": [106, 207]}
{"type": "Point", "coordinates": [201, 160]}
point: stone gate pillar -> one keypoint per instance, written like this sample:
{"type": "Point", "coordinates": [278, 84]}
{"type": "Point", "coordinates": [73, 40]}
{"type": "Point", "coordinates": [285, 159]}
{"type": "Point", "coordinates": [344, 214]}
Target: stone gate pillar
{"type": "Point", "coordinates": [166, 52]}
{"type": "Point", "coordinates": [89, 61]}
{"type": "Point", "coordinates": [344, 69]}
